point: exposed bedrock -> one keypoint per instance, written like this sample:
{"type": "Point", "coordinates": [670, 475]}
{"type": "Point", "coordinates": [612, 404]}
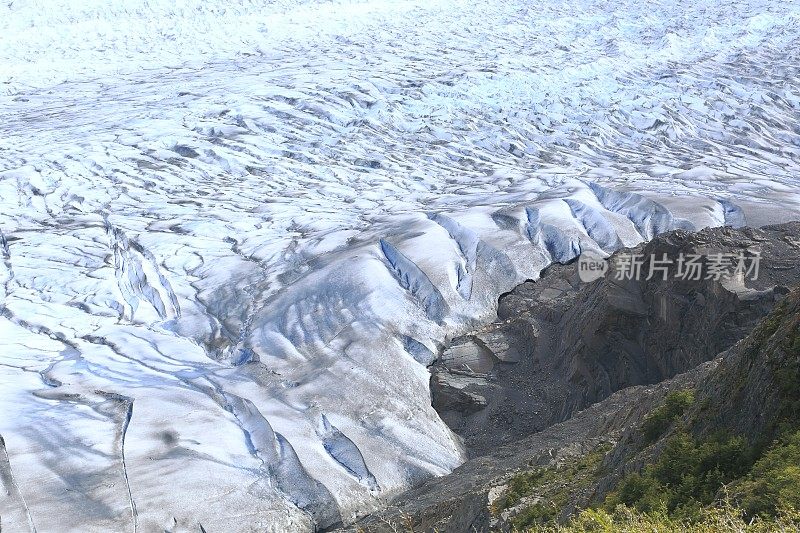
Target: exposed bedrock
{"type": "Point", "coordinates": [559, 344]}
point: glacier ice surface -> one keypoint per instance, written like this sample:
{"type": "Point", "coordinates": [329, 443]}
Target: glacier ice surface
{"type": "Point", "coordinates": [234, 234]}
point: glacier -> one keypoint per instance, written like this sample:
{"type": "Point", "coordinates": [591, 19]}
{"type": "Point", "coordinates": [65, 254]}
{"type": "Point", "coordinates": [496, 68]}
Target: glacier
{"type": "Point", "coordinates": [234, 234]}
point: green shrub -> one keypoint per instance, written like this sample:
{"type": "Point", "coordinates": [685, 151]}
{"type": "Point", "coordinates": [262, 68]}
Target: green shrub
{"type": "Point", "coordinates": [645, 492]}
{"type": "Point", "coordinates": [675, 404]}
{"type": "Point", "coordinates": [537, 513]}
{"type": "Point", "coordinates": [553, 486]}
{"type": "Point", "coordinates": [773, 484]}
{"type": "Point", "coordinates": [787, 379]}
{"type": "Point", "coordinates": [687, 476]}
{"type": "Point", "coordinates": [724, 518]}
{"type": "Point", "coordinates": [522, 485]}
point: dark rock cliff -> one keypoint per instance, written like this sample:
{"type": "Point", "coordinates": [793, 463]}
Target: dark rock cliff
{"type": "Point", "coordinates": [560, 345]}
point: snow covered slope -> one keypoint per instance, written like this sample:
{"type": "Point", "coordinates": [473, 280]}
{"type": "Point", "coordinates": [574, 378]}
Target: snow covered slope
{"type": "Point", "coordinates": [234, 234]}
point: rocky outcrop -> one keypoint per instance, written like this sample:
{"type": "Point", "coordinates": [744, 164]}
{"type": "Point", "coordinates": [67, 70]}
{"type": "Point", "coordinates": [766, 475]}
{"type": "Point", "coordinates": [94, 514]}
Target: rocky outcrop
{"type": "Point", "coordinates": [560, 345]}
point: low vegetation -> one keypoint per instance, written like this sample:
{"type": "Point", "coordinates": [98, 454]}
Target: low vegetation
{"type": "Point", "coordinates": [715, 485]}
{"type": "Point", "coordinates": [686, 478]}
{"type": "Point", "coordinates": [721, 519]}
{"type": "Point", "coordinates": [720, 483]}
{"type": "Point", "coordinates": [773, 484]}
{"type": "Point", "coordinates": [552, 489]}
{"type": "Point", "coordinates": [675, 404]}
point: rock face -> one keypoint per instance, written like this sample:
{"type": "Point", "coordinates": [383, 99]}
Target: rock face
{"type": "Point", "coordinates": [560, 345]}
{"type": "Point", "coordinates": [569, 366]}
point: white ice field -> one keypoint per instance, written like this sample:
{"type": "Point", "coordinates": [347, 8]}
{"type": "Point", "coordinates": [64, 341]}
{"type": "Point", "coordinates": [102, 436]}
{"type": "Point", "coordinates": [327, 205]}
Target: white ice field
{"type": "Point", "coordinates": [234, 233]}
